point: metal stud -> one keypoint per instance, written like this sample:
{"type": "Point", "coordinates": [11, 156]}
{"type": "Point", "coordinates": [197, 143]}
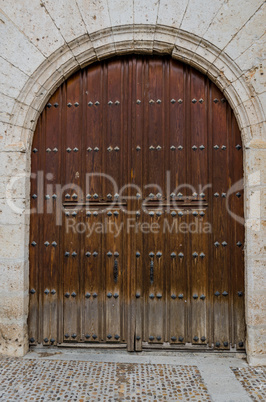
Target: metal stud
{"type": "Point", "coordinates": [223, 147]}
{"type": "Point", "coordinates": [173, 297]}
{"type": "Point", "coordinates": [54, 196]}
{"type": "Point", "coordinates": [180, 101]}
{"type": "Point", "coordinates": [241, 344]}
{"type": "Point", "coordinates": [202, 195]}
{"type": "Point", "coordinates": [97, 103]}
{"type": "Point", "coordinates": [67, 336]}
{"type": "Point", "coordinates": [158, 213]}
{"type": "Point", "coordinates": [202, 297]}
{"type": "Point", "coordinates": [225, 293]}
{"type": "Point", "coordinates": [217, 244]}
{"type": "Point", "coordinates": [90, 103]}
{"type": "Point", "coordinates": [151, 148]}
{"type": "Point", "coordinates": [195, 213]}
{"type": "Point", "coordinates": [109, 213]}
{"type": "Point", "coordinates": [88, 213]}
{"type": "Point", "coordinates": [194, 100]}
{"type": "Point", "coordinates": [54, 244]}
{"type": "Point", "coordinates": [202, 255]}
{"type": "Point", "coordinates": [73, 294]}
{"type": "Point", "coordinates": [239, 244]}
{"type": "Point", "coordinates": [217, 293]}
{"type": "Point", "coordinates": [32, 291]}
{"type": "Point", "coordinates": [33, 243]}
{"type": "Point", "coordinates": [95, 254]}
{"type": "Point", "coordinates": [116, 254]}
{"type": "Point", "coordinates": [159, 296]}
{"type": "Point", "coordinates": [87, 295]}
{"type": "Point", "coordinates": [109, 149]}
{"type": "Point", "coordinates": [195, 339]}
{"type": "Point", "coordinates": [194, 147]}
{"type": "Point", "coordinates": [225, 344]}
{"type": "Point", "coordinates": [35, 150]}
{"type": "Point", "coordinates": [158, 147]}
{"type": "Point", "coordinates": [116, 149]}
{"type": "Point", "coordinates": [195, 255]}
{"type": "Point", "coordinates": [203, 339]}
{"type": "Point", "coordinates": [69, 104]}
{"type": "Point", "coordinates": [138, 148]}
{"type": "Point", "coordinates": [240, 294]}
{"type": "Point", "coordinates": [180, 213]}
{"type": "Point", "coordinates": [34, 196]}
{"type": "Point", "coordinates": [117, 337]}
{"type": "Point", "coordinates": [215, 100]}
{"type": "Point", "coordinates": [53, 291]}
{"type": "Point", "coordinates": [151, 296]}
{"type": "Point", "coordinates": [172, 195]}
{"type": "Point", "coordinates": [195, 296]}
{"type": "Point", "coordinates": [173, 255]}
{"type": "Point", "coordinates": [46, 340]}
{"type": "Point", "coordinates": [238, 195]}
{"type": "Point", "coordinates": [179, 195]}
{"type": "Point", "coordinates": [238, 147]}
{"type": "Point", "coordinates": [180, 148]}
{"type": "Point", "coordinates": [216, 195]}
{"type": "Point", "coordinates": [68, 150]}
{"type": "Point", "coordinates": [151, 213]}
{"type": "Point", "coordinates": [173, 213]}
{"type": "Point", "coordinates": [67, 254]}
{"type": "Point", "coordinates": [96, 149]}
{"type": "Point", "coordinates": [47, 291]}
{"type": "Point", "coordinates": [46, 243]}
{"type": "Point", "coordinates": [87, 336]}
{"type": "Point", "coordinates": [76, 104]}
{"type": "Point", "coordinates": [180, 296]}
{"type": "Point", "coordinates": [201, 100]}
{"type": "Point", "coordinates": [151, 338]}
{"type": "Point", "coordinates": [173, 101]}
{"type": "Point", "coordinates": [216, 147]}
{"type": "Point", "coordinates": [95, 213]}
{"type": "Point", "coordinates": [158, 338]}
{"type": "Point", "coordinates": [159, 101]}
{"type": "Point", "coordinates": [173, 338]}
{"type": "Point", "coordinates": [89, 149]}
{"type": "Point", "coordinates": [180, 338]}
{"type": "Point", "coordinates": [49, 105]}
{"type": "Point", "coordinates": [116, 295]}
{"type": "Point", "coordinates": [151, 101]}
{"type": "Point", "coordinates": [75, 149]}
{"type": "Point", "coordinates": [74, 213]}
{"type": "Point", "coordinates": [138, 101]}
{"type": "Point", "coordinates": [223, 195]}
{"type": "Point", "coordinates": [202, 213]}
{"type": "Point", "coordinates": [74, 254]}
{"type": "Point", "coordinates": [224, 244]}
{"type": "Point", "coordinates": [32, 340]}
{"type": "Point", "coordinates": [137, 254]}
{"type": "Point", "coordinates": [95, 196]}
{"type": "Point", "coordinates": [180, 255]}
{"type": "Point", "coordinates": [201, 147]}
{"type": "Point", "coordinates": [47, 197]}
{"type": "Point", "coordinates": [138, 338]}
{"type": "Point", "coordinates": [151, 254]}
{"type": "Point", "coordinates": [109, 254]}
{"type": "Point", "coordinates": [48, 150]}
{"type": "Point", "coordinates": [74, 336]}
{"type": "Point", "coordinates": [110, 103]}
{"type": "Point", "coordinates": [94, 336]}
{"type": "Point", "coordinates": [109, 295]}
{"type": "Point", "coordinates": [137, 295]}
{"type": "Point", "coordinates": [217, 344]}
{"type": "Point", "coordinates": [172, 148]}
{"type": "Point", "coordinates": [94, 295]}
{"type": "Point", "coordinates": [67, 196]}
{"type": "Point", "coordinates": [223, 100]}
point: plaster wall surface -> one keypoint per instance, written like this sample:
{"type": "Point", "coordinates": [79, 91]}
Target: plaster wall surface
{"type": "Point", "coordinates": [43, 42]}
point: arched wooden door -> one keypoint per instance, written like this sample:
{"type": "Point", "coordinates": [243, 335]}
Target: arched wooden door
{"type": "Point", "coordinates": [132, 244]}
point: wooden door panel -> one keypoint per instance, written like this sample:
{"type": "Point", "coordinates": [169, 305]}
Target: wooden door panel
{"type": "Point", "coordinates": [174, 279]}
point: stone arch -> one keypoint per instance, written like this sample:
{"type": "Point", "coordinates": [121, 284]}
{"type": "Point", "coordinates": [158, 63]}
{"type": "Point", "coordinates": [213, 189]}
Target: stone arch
{"type": "Point", "coordinates": [118, 40]}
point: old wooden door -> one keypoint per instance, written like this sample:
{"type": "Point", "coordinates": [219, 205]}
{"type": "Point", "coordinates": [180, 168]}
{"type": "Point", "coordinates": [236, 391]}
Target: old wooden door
{"type": "Point", "coordinates": [137, 232]}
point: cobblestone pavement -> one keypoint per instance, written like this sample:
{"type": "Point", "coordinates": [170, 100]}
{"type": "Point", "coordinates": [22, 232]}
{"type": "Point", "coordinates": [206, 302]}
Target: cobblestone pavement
{"type": "Point", "coordinates": [53, 374]}
{"type": "Point", "coordinates": [253, 380]}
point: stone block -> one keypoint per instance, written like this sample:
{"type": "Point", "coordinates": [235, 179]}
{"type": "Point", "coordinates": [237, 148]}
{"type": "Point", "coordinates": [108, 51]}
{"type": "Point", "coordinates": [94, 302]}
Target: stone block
{"type": "Point", "coordinates": [14, 277]}
{"type": "Point", "coordinates": [13, 240]}
{"type": "Point", "coordinates": [145, 12]}
{"type": "Point", "coordinates": [14, 338]}
{"type": "Point", "coordinates": [255, 237]}
{"type": "Point", "coordinates": [95, 14]}
{"type": "Point", "coordinates": [171, 13]}
{"type": "Point", "coordinates": [13, 164]}
{"type": "Point", "coordinates": [256, 161]}
{"type": "Point", "coordinates": [121, 12]}
{"type": "Point", "coordinates": [256, 344]}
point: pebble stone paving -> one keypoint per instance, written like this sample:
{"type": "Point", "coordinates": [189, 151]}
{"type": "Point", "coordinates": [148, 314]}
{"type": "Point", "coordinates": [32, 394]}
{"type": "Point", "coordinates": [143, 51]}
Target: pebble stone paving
{"type": "Point", "coordinates": [253, 379]}
{"type": "Point", "coordinates": [36, 380]}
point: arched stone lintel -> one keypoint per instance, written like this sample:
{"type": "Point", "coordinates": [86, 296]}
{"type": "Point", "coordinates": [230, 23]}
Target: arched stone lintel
{"type": "Point", "coordinates": [143, 39]}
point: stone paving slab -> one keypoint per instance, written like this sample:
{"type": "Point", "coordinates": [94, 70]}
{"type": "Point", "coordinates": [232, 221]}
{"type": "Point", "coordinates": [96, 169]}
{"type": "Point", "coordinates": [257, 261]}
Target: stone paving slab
{"type": "Point", "coordinates": [55, 380]}
{"type": "Point", "coordinates": [253, 380]}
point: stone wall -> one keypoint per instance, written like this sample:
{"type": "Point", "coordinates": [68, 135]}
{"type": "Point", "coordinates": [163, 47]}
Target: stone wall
{"type": "Point", "coordinates": [43, 42]}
